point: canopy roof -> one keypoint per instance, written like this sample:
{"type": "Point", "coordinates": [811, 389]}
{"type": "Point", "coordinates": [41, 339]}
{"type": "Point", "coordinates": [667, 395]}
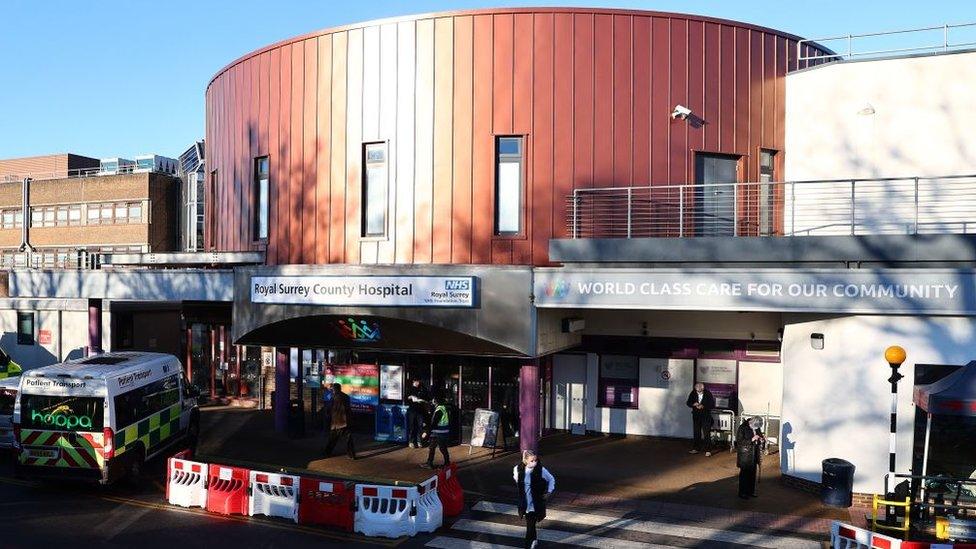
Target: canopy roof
{"type": "Point", "coordinates": [953, 395]}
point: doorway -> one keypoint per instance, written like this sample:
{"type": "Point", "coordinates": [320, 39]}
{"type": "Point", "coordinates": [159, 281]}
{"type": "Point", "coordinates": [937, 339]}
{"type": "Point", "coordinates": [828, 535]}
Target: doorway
{"type": "Point", "coordinates": [715, 194]}
{"type": "Point", "coordinates": [569, 383]}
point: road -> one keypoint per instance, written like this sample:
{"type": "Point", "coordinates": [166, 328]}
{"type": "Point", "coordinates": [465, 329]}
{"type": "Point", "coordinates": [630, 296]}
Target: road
{"type": "Point", "coordinates": [135, 514]}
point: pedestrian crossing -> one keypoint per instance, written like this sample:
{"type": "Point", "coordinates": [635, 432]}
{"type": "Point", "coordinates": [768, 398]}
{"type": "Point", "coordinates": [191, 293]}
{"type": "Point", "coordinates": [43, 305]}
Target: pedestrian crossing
{"type": "Point", "coordinates": [493, 525]}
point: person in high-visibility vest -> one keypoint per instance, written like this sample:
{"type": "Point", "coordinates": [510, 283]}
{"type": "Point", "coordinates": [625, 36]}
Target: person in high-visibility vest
{"type": "Point", "coordinates": [8, 368]}
{"type": "Point", "coordinates": [439, 431]}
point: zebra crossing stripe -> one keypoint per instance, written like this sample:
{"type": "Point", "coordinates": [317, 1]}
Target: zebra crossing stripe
{"type": "Point", "coordinates": [554, 536]}
{"type": "Point", "coordinates": [770, 541]}
{"type": "Point", "coordinates": [441, 542]}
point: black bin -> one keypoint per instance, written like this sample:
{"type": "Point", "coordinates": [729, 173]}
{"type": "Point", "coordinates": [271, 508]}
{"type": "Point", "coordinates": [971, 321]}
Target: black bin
{"type": "Point", "coordinates": [296, 418]}
{"type": "Point", "coordinates": [837, 486]}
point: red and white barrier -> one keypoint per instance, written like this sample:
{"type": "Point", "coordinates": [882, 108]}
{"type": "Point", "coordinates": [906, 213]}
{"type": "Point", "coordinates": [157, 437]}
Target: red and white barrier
{"type": "Point", "coordinates": [430, 511]}
{"type": "Point", "coordinates": [327, 502]}
{"type": "Point", "coordinates": [273, 494]}
{"type": "Point", "coordinates": [386, 511]}
{"type": "Point", "coordinates": [227, 490]}
{"type": "Point", "coordinates": [186, 482]}
{"type": "Point", "coordinates": [449, 490]}
{"type": "Point", "coordinates": [845, 536]}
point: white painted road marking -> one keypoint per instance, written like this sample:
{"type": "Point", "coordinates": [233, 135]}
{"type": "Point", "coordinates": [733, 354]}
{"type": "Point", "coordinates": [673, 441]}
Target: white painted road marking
{"type": "Point", "coordinates": [555, 536]}
{"type": "Point", "coordinates": [455, 543]}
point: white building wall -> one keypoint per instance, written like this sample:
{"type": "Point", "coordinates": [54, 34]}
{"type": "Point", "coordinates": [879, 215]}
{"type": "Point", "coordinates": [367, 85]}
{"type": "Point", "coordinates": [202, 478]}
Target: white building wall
{"type": "Point", "coordinates": [901, 117]}
{"type": "Point", "coordinates": [66, 321]}
{"type": "Point", "coordinates": [836, 401]}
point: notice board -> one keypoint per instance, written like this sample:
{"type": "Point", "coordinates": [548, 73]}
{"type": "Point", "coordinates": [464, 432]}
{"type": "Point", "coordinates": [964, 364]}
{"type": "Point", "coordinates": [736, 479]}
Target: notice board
{"type": "Point", "coordinates": [484, 431]}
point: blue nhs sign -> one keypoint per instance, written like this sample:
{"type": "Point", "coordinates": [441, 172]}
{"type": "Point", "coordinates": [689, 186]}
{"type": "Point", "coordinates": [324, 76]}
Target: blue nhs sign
{"type": "Point", "coordinates": [457, 284]}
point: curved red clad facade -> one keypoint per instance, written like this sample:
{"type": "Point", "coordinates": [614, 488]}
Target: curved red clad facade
{"type": "Point", "coordinates": [589, 90]}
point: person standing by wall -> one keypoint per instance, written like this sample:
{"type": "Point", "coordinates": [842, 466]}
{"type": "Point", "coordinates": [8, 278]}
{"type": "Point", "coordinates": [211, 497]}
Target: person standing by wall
{"type": "Point", "coordinates": [535, 485]}
{"type": "Point", "coordinates": [327, 398]}
{"type": "Point", "coordinates": [749, 440]}
{"type": "Point", "coordinates": [701, 402]}
{"type": "Point", "coordinates": [341, 414]}
{"type": "Point", "coordinates": [418, 398]}
{"type": "Point", "coordinates": [440, 430]}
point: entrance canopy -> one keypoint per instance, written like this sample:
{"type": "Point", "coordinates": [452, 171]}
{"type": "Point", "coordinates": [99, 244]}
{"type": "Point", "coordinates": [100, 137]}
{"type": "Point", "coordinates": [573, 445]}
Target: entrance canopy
{"type": "Point", "coordinates": [954, 395]}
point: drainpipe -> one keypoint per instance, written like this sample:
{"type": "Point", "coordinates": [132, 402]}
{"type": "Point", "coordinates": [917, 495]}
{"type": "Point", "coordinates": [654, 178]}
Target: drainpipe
{"type": "Point", "coordinates": [25, 245]}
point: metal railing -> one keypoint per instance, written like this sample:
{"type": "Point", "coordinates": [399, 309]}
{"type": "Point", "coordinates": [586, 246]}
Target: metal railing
{"type": "Point", "coordinates": [48, 259]}
{"type": "Point", "coordinates": [911, 205]}
{"type": "Point", "coordinates": [78, 172]}
{"type": "Point", "coordinates": [943, 43]}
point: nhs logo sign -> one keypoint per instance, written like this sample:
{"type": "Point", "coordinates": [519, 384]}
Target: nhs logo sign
{"type": "Point", "coordinates": [457, 284]}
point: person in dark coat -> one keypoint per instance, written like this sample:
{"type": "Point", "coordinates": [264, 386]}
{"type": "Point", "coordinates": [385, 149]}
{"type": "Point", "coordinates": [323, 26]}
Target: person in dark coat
{"type": "Point", "coordinates": [701, 402]}
{"type": "Point", "coordinates": [535, 485]}
{"type": "Point", "coordinates": [418, 399]}
{"type": "Point", "coordinates": [439, 432]}
{"type": "Point", "coordinates": [341, 414]}
{"type": "Point", "coordinates": [748, 448]}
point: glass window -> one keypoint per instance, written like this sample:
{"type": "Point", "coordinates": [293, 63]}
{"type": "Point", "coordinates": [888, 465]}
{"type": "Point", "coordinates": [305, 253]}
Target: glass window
{"type": "Point", "coordinates": [121, 213]}
{"type": "Point", "coordinates": [25, 328]}
{"type": "Point", "coordinates": [19, 218]}
{"type": "Point", "coordinates": [107, 210]}
{"type": "Point", "coordinates": [135, 212]}
{"type": "Point", "coordinates": [62, 413]}
{"type": "Point", "coordinates": [261, 197]}
{"type": "Point", "coordinates": [37, 218]}
{"type": "Point", "coordinates": [619, 381]}
{"type": "Point", "coordinates": [140, 403]}
{"type": "Point", "coordinates": [374, 189]}
{"type": "Point", "coordinates": [94, 211]}
{"type": "Point", "coordinates": [62, 214]}
{"type": "Point", "coordinates": [74, 215]}
{"type": "Point", "coordinates": [767, 194]}
{"type": "Point", "coordinates": [508, 185]}
{"type": "Point", "coordinates": [8, 219]}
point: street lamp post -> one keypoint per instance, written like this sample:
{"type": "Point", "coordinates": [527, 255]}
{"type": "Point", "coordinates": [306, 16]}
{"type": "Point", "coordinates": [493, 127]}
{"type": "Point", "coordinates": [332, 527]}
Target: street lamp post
{"type": "Point", "coordinates": [895, 356]}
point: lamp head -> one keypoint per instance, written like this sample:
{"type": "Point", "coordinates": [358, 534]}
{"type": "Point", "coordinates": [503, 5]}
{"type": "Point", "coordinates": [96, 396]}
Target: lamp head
{"type": "Point", "coordinates": [895, 355]}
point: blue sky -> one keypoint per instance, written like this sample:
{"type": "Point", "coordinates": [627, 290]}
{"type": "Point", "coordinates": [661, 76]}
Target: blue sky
{"type": "Point", "coordinates": [121, 78]}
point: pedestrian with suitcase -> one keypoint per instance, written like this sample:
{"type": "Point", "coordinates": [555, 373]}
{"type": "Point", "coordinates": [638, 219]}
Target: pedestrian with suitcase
{"type": "Point", "coordinates": [535, 485]}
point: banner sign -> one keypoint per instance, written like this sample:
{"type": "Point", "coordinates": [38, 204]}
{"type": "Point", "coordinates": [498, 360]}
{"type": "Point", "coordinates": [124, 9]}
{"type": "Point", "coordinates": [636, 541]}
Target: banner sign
{"type": "Point", "coordinates": [361, 382]}
{"type": "Point", "coordinates": [484, 429]}
{"type": "Point", "coordinates": [369, 291]}
{"type": "Point", "coordinates": [391, 382]}
{"type": "Point", "coordinates": [932, 291]}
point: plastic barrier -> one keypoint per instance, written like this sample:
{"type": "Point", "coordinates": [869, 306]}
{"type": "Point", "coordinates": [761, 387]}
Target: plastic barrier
{"type": "Point", "coordinates": [845, 536]}
{"type": "Point", "coordinates": [273, 494]}
{"type": "Point", "coordinates": [326, 502]}
{"type": "Point", "coordinates": [449, 490]}
{"type": "Point", "coordinates": [430, 511]}
{"type": "Point", "coordinates": [227, 490]}
{"type": "Point", "coordinates": [186, 481]}
{"type": "Point", "coordinates": [391, 423]}
{"type": "Point", "coordinates": [386, 511]}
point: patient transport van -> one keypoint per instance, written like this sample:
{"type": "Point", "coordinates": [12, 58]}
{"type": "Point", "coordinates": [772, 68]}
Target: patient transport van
{"type": "Point", "coordinates": [102, 417]}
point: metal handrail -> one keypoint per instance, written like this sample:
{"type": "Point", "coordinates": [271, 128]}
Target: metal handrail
{"type": "Point", "coordinates": [77, 172]}
{"type": "Point", "coordinates": [888, 205]}
{"type": "Point", "coordinates": [946, 44]}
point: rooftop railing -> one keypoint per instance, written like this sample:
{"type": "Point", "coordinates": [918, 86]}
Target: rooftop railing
{"type": "Point", "coordinates": [912, 205]}
{"type": "Point", "coordinates": [905, 41]}
{"type": "Point", "coordinates": [78, 172]}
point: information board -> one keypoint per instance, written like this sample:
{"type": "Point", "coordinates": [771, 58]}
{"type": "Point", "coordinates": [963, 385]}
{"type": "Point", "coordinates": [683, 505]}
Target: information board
{"type": "Point", "coordinates": [361, 382]}
{"type": "Point", "coordinates": [484, 431]}
{"type": "Point", "coordinates": [391, 382]}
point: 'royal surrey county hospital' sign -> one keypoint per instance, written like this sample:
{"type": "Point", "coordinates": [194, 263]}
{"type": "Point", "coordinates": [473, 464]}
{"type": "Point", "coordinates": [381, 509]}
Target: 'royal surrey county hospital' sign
{"type": "Point", "coordinates": [904, 291]}
{"type": "Point", "coordinates": [371, 291]}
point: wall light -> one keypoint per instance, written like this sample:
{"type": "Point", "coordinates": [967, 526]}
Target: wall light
{"type": "Point", "coordinates": [817, 341]}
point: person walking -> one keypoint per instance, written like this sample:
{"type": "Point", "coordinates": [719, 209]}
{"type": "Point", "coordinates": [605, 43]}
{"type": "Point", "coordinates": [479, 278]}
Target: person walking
{"type": "Point", "coordinates": [439, 431]}
{"type": "Point", "coordinates": [748, 441]}
{"type": "Point", "coordinates": [341, 414]}
{"type": "Point", "coordinates": [535, 485]}
{"type": "Point", "coordinates": [701, 402]}
{"type": "Point", "coordinates": [418, 398]}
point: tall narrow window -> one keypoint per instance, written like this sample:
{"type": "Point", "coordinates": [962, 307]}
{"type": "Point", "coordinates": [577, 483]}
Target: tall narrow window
{"type": "Point", "coordinates": [508, 185]}
{"type": "Point", "coordinates": [25, 328]}
{"type": "Point", "coordinates": [374, 189]}
{"type": "Point", "coordinates": [261, 197]}
{"type": "Point", "coordinates": [767, 196]}
{"type": "Point", "coordinates": [212, 205]}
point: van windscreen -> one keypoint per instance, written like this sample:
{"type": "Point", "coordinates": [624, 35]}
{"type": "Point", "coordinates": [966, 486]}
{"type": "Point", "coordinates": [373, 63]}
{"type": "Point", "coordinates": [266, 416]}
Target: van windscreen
{"type": "Point", "coordinates": [61, 413]}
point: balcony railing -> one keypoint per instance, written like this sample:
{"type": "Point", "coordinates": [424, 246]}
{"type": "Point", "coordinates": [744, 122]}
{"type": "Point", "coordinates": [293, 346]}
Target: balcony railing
{"type": "Point", "coordinates": [77, 172]}
{"type": "Point", "coordinates": [913, 205]}
{"type": "Point", "coordinates": [942, 38]}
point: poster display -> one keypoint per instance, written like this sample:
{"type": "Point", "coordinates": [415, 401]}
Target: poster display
{"type": "Point", "coordinates": [484, 430]}
{"type": "Point", "coordinates": [361, 382]}
{"type": "Point", "coordinates": [719, 377]}
{"type": "Point", "coordinates": [391, 382]}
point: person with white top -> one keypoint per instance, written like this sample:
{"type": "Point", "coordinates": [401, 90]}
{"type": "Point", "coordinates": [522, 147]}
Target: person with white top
{"type": "Point", "coordinates": [535, 484]}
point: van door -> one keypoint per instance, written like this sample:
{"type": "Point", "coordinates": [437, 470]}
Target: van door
{"type": "Point", "coordinates": [62, 431]}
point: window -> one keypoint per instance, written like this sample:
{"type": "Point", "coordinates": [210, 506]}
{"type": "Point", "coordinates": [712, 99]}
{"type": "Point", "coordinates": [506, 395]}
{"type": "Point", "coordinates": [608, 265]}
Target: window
{"type": "Point", "coordinates": [212, 222]}
{"type": "Point", "coordinates": [74, 215]}
{"type": "Point", "coordinates": [619, 381]}
{"type": "Point", "coordinates": [44, 217]}
{"type": "Point", "coordinates": [62, 215]}
{"type": "Point", "coordinates": [767, 196]}
{"type": "Point", "coordinates": [135, 212]}
{"type": "Point", "coordinates": [62, 413]}
{"type": "Point", "coordinates": [374, 189]}
{"type": "Point", "coordinates": [94, 212]}
{"type": "Point", "coordinates": [12, 219]}
{"type": "Point", "coordinates": [141, 403]}
{"type": "Point", "coordinates": [261, 200]}
{"type": "Point", "coordinates": [25, 328]}
{"type": "Point", "coordinates": [508, 186]}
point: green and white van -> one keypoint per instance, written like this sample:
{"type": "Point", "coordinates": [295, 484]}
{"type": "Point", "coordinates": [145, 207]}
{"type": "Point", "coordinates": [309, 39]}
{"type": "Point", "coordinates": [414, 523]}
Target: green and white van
{"type": "Point", "coordinates": [103, 416]}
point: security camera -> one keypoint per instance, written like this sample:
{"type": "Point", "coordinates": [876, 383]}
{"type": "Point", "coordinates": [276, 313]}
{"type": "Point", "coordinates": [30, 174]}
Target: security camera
{"type": "Point", "coordinates": [681, 111]}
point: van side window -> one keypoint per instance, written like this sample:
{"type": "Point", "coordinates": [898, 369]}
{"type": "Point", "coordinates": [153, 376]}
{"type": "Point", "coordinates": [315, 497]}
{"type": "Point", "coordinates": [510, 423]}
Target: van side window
{"type": "Point", "coordinates": [145, 401]}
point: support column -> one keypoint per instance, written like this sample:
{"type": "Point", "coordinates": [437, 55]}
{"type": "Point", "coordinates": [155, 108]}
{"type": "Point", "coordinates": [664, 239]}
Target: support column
{"type": "Point", "coordinates": [529, 406]}
{"type": "Point", "coordinates": [282, 388]}
{"type": "Point", "coordinates": [189, 354]}
{"type": "Point", "coordinates": [94, 325]}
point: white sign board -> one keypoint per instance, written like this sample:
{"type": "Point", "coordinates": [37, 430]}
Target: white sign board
{"type": "Point", "coordinates": [391, 381]}
{"type": "Point", "coordinates": [371, 291]}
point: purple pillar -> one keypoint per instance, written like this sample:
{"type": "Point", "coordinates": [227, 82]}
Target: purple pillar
{"type": "Point", "coordinates": [282, 388]}
{"type": "Point", "coordinates": [95, 325]}
{"type": "Point", "coordinates": [529, 406]}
